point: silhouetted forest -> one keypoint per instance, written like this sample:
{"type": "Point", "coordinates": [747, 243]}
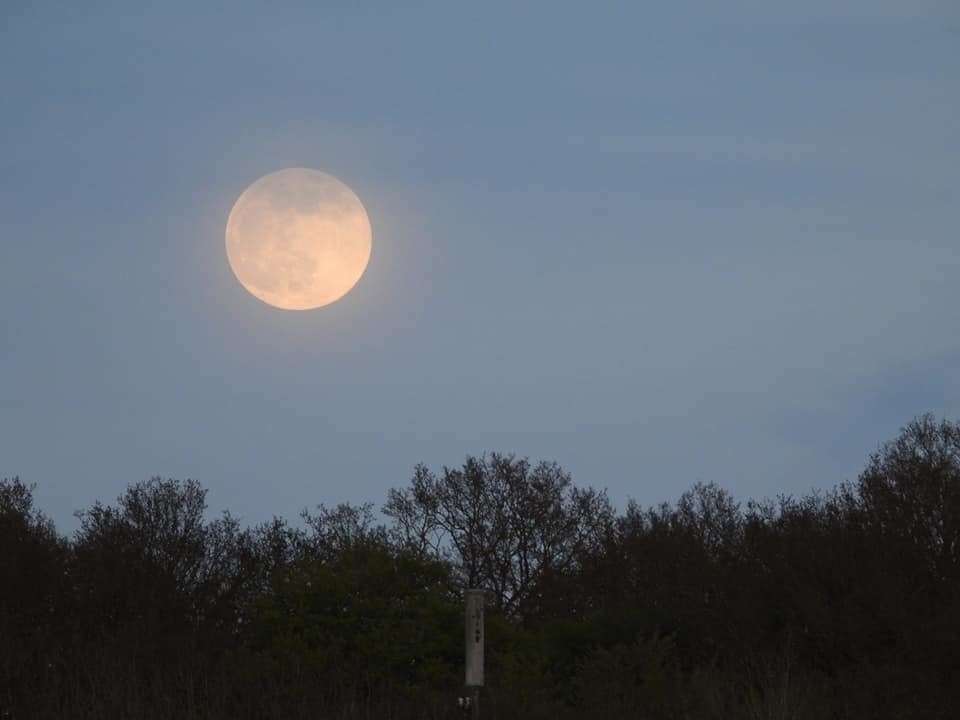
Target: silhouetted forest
{"type": "Point", "coordinates": [841, 604]}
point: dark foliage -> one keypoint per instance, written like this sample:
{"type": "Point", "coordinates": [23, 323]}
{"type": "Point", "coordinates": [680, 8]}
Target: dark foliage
{"type": "Point", "coordinates": [844, 604]}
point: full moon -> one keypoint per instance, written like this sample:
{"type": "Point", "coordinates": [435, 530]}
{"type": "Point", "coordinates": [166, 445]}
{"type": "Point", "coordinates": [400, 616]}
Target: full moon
{"type": "Point", "coordinates": [298, 239]}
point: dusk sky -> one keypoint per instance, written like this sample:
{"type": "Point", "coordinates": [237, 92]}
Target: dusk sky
{"type": "Point", "coordinates": [658, 243]}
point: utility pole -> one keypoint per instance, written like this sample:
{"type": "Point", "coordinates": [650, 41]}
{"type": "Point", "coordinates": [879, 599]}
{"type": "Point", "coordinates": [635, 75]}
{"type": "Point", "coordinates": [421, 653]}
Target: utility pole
{"type": "Point", "coordinates": [473, 642]}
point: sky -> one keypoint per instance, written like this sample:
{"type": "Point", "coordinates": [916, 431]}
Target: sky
{"type": "Point", "coordinates": [657, 243]}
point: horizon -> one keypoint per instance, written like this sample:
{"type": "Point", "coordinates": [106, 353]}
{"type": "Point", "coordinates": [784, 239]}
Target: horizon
{"type": "Point", "coordinates": [300, 518]}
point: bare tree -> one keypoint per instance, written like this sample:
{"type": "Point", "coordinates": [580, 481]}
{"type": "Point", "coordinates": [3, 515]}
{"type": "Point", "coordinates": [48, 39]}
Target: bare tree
{"type": "Point", "coordinates": [331, 531]}
{"type": "Point", "coordinates": [501, 522]}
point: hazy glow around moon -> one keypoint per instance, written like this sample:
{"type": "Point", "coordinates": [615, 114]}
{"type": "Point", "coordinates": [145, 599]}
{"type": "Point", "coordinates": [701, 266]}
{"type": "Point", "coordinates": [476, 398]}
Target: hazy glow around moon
{"type": "Point", "coordinates": [298, 239]}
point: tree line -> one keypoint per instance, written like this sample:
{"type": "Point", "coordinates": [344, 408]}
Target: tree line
{"type": "Point", "coordinates": [836, 604]}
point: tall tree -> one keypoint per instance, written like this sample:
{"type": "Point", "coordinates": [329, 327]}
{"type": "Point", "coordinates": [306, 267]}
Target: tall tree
{"type": "Point", "coordinates": [502, 522]}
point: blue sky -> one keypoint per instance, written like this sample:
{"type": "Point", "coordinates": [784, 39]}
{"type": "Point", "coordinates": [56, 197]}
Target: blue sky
{"type": "Point", "coordinates": [657, 243]}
